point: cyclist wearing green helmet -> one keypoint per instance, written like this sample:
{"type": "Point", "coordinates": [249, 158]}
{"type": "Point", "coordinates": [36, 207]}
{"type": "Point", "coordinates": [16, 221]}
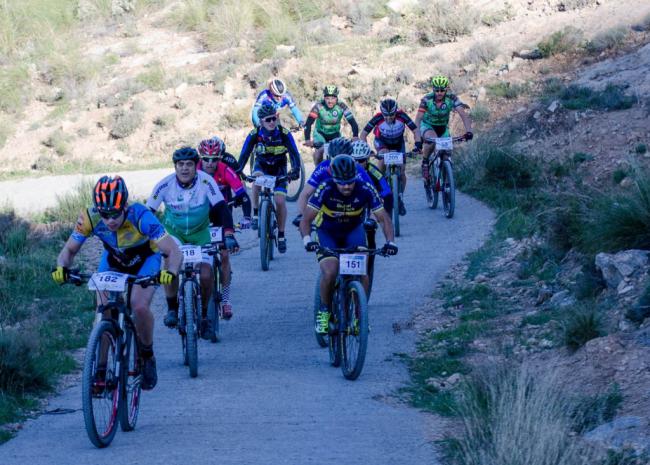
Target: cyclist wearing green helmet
{"type": "Point", "coordinates": [433, 116]}
{"type": "Point", "coordinates": [328, 114]}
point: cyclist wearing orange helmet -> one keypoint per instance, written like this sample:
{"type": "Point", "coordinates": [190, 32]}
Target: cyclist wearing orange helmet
{"type": "Point", "coordinates": [133, 239]}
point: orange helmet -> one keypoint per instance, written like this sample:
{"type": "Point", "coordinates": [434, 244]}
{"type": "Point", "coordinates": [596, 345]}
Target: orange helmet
{"type": "Point", "coordinates": [110, 194]}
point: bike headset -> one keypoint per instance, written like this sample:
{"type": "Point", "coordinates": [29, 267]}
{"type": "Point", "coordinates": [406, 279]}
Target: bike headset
{"type": "Point", "coordinates": [338, 146]}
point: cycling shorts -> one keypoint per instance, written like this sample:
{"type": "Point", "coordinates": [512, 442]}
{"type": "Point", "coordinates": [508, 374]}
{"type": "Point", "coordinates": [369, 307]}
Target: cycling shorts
{"type": "Point", "coordinates": [321, 138]}
{"type": "Point", "coordinates": [340, 239]}
{"type": "Point", "coordinates": [278, 169]}
{"type": "Point", "coordinates": [150, 266]}
{"type": "Point", "coordinates": [381, 144]}
{"type": "Point", "coordinates": [441, 131]}
{"type": "Point", "coordinates": [201, 237]}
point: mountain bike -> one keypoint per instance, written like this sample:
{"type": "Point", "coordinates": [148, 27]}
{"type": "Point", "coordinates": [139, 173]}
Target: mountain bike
{"type": "Point", "coordinates": [441, 175]}
{"type": "Point", "coordinates": [394, 162]}
{"type": "Point", "coordinates": [268, 225]}
{"type": "Point", "coordinates": [293, 191]}
{"type": "Point", "coordinates": [189, 302]}
{"type": "Point", "coordinates": [112, 372]}
{"type": "Point", "coordinates": [347, 337]}
{"type": "Point", "coordinates": [215, 309]}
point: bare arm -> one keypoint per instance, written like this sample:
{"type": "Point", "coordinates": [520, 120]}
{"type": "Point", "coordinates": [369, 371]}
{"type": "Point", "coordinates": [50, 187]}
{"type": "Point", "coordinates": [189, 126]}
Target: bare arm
{"type": "Point", "coordinates": [67, 254]}
{"type": "Point", "coordinates": [304, 197]}
{"type": "Point", "coordinates": [169, 248]}
{"type": "Point", "coordinates": [364, 136]}
{"type": "Point", "coordinates": [467, 121]}
{"type": "Point", "coordinates": [386, 225]}
{"type": "Point", "coordinates": [308, 217]}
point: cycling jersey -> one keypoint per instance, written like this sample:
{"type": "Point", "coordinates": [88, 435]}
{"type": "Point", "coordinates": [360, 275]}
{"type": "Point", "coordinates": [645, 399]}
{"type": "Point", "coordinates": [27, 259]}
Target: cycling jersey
{"type": "Point", "coordinates": [186, 208]}
{"type": "Point", "coordinates": [286, 100]}
{"type": "Point", "coordinates": [323, 173]}
{"type": "Point", "coordinates": [392, 134]}
{"type": "Point", "coordinates": [271, 148]}
{"type": "Point", "coordinates": [129, 246]}
{"type": "Point", "coordinates": [341, 214]}
{"type": "Point", "coordinates": [328, 120]}
{"type": "Point", "coordinates": [435, 115]}
{"type": "Point", "coordinates": [227, 179]}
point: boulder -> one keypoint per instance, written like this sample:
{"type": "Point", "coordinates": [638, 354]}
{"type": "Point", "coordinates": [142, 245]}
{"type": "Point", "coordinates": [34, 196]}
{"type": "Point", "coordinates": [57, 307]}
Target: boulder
{"type": "Point", "coordinates": [626, 264]}
{"type": "Point", "coordinates": [621, 433]}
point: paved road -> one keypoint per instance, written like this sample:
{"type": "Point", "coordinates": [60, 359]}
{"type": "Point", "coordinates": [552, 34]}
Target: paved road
{"type": "Point", "coordinates": [267, 394]}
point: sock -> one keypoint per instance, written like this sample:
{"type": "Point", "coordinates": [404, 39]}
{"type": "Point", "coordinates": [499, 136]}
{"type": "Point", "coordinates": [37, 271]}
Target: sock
{"type": "Point", "coordinates": [146, 351]}
{"type": "Point", "coordinates": [280, 234]}
{"type": "Point", "coordinates": [255, 211]}
{"type": "Point", "coordinates": [172, 303]}
{"type": "Point", "coordinates": [225, 294]}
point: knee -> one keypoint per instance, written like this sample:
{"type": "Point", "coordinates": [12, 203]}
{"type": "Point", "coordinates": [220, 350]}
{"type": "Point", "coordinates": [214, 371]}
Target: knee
{"type": "Point", "coordinates": [140, 309]}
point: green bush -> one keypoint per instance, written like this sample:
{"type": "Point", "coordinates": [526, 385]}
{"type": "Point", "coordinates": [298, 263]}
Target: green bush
{"type": "Point", "coordinates": [512, 170]}
{"type": "Point", "coordinates": [20, 369]}
{"type": "Point", "coordinates": [506, 90]}
{"type": "Point", "coordinates": [582, 325]}
{"type": "Point", "coordinates": [125, 122]}
{"type": "Point", "coordinates": [613, 97]}
{"type": "Point", "coordinates": [581, 157]}
{"type": "Point", "coordinates": [481, 54]}
{"type": "Point", "coordinates": [640, 149]}
{"type": "Point", "coordinates": [591, 411]}
{"type": "Point", "coordinates": [440, 21]}
{"type": "Point", "coordinates": [608, 39]}
{"type": "Point", "coordinates": [565, 40]}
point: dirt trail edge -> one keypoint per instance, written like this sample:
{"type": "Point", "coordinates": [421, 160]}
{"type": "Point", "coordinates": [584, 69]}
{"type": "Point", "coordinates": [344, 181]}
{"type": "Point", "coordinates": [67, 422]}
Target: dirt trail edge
{"type": "Point", "coordinates": [266, 393]}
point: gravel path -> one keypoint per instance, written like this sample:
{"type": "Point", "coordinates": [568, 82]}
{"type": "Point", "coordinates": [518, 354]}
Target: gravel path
{"type": "Point", "coordinates": [267, 394]}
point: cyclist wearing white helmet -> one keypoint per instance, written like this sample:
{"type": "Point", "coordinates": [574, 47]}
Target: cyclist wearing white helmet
{"type": "Point", "coordinates": [277, 94]}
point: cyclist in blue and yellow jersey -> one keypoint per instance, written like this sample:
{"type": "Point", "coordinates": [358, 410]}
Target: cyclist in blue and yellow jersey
{"type": "Point", "coordinates": [189, 195]}
{"type": "Point", "coordinates": [328, 114]}
{"type": "Point", "coordinates": [433, 117]}
{"type": "Point", "coordinates": [271, 143]}
{"type": "Point", "coordinates": [277, 95]}
{"type": "Point", "coordinates": [337, 210]}
{"type": "Point", "coordinates": [361, 153]}
{"type": "Point", "coordinates": [388, 127]}
{"type": "Point", "coordinates": [133, 240]}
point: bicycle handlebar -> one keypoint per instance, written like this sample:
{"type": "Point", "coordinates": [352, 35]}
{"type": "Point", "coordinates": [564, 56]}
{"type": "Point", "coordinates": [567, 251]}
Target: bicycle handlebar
{"type": "Point", "coordinates": [277, 178]}
{"type": "Point", "coordinates": [357, 249]}
{"type": "Point", "coordinates": [78, 278]}
{"type": "Point", "coordinates": [454, 139]}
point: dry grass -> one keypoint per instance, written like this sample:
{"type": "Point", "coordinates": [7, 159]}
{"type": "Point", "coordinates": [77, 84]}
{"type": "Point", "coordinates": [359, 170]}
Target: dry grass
{"type": "Point", "coordinates": [441, 21]}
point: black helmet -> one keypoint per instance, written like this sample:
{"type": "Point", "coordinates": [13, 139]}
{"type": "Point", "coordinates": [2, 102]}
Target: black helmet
{"type": "Point", "coordinates": [267, 109]}
{"type": "Point", "coordinates": [110, 194]}
{"type": "Point", "coordinates": [339, 146]}
{"type": "Point", "coordinates": [388, 107]}
{"type": "Point", "coordinates": [344, 169]}
{"type": "Point", "coordinates": [186, 153]}
{"type": "Point", "coordinates": [330, 90]}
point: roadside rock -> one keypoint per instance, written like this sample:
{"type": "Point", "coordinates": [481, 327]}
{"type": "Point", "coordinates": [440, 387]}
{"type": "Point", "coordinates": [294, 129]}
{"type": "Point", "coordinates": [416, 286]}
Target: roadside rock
{"type": "Point", "coordinates": [562, 299]}
{"type": "Point", "coordinates": [622, 432]}
{"type": "Point", "coordinates": [616, 267]}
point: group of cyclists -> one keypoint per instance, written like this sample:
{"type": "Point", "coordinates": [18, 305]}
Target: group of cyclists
{"type": "Point", "coordinates": [342, 193]}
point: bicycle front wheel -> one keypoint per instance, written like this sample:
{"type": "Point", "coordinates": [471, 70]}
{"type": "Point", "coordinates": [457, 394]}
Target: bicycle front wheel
{"type": "Point", "coordinates": [321, 339]}
{"type": "Point", "coordinates": [100, 387]}
{"type": "Point", "coordinates": [295, 188]}
{"type": "Point", "coordinates": [354, 330]}
{"type": "Point", "coordinates": [131, 380]}
{"type": "Point", "coordinates": [265, 234]}
{"type": "Point", "coordinates": [190, 293]}
{"type": "Point", "coordinates": [394, 185]}
{"type": "Point", "coordinates": [434, 183]}
{"type": "Point", "coordinates": [448, 189]}
{"type": "Point", "coordinates": [334, 338]}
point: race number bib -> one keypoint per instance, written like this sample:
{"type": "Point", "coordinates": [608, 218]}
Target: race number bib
{"type": "Point", "coordinates": [444, 143]}
{"type": "Point", "coordinates": [265, 181]}
{"type": "Point", "coordinates": [191, 253]}
{"type": "Point", "coordinates": [394, 158]}
{"type": "Point", "coordinates": [108, 281]}
{"type": "Point", "coordinates": [216, 234]}
{"type": "Point", "coordinates": [352, 264]}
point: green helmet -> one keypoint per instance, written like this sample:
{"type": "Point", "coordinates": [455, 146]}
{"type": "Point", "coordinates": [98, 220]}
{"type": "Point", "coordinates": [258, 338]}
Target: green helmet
{"type": "Point", "coordinates": [440, 81]}
{"type": "Point", "coordinates": [330, 90]}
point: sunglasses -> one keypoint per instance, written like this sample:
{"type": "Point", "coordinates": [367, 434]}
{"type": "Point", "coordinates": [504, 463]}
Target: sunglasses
{"type": "Point", "coordinates": [440, 89]}
{"type": "Point", "coordinates": [344, 183]}
{"type": "Point", "coordinates": [209, 159]}
{"type": "Point", "coordinates": [110, 215]}
{"type": "Point", "coordinates": [270, 119]}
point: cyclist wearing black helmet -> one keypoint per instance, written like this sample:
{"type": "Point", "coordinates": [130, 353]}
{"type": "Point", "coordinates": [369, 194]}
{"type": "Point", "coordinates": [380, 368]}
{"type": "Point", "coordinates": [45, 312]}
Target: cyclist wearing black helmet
{"type": "Point", "coordinates": [189, 195]}
{"type": "Point", "coordinates": [133, 239]}
{"type": "Point", "coordinates": [388, 127]}
{"type": "Point", "coordinates": [337, 209]}
{"type": "Point", "coordinates": [271, 143]}
{"type": "Point", "coordinates": [277, 95]}
{"type": "Point", "coordinates": [328, 114]}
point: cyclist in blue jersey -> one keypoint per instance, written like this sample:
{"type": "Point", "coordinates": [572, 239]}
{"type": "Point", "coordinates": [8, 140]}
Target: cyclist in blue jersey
{"type": "Point", "coordinates": [133, 240]}
{"type": "Point", "coordinates": [361, 153]}
{"type": "Point", "coordinates": [271, 143]}
{"type": "Point", "coordinates": [337, 210]}
{"type": "Point", "coordinates": [277, 95]}
{"type": "Point", "coordinates": [189, 196]}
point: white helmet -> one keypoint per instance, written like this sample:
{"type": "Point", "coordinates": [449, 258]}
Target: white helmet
{"type": "Point", "coordinates": [277, 87]}
{"type": "Point", "coordinates": [360, 150]}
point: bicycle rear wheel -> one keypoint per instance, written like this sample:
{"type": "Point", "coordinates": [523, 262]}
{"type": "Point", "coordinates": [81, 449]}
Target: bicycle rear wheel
{"type": "Point", "coordinates": [448, 189]}
{"type": "Point", "coordinates": [131, 379]}
{"type": "Point", "coordinates": [321, 339]}
{"type": "Point", "coordinates": [265, 234]}
{"type": "Point", "coordinates": [190, 293]}
{"type": "Point", "coordinates": [394, 185]}
{"type": "Point", "coordinates": [434, 183]}
{"type": "Point", "coordinates": [214, 305]}
{"type": "Point", "coordinates": [354, 330]}
{"type": "Point", "coordinates": [334, 338]}
{"type": "Point", "coordinates": [100, 387]}
{"type": "Point", "coordinates": [295, 188]}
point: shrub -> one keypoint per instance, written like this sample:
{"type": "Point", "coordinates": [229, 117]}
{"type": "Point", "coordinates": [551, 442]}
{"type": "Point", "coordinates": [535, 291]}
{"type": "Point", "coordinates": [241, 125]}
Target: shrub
{"type": "Point", "coordinates": [581, 326]}
{"type": "Point", "coordinates": [441, 21]}
{"type": "Point", "coordinates": [508, 169]}
{"type": "Point", "coordinates": [581, 157]}
{"type": "Point", "coordinates": [506, 90]}
{"type": "Point", "coordinates": [644, 24]}
{"type": "Point", "coordinates": [19, 368]}
{"type": "Point", "coordinates": [14, 88]}
{"type": "Point", "coordinates": [613, 97]}
{"type": "Point", "coordinates": [608, 39]}
{"type": "Point", "coordinates": [153, 78]}
{"type": "Point", "coordinates": [481, 53]}
{"type": "Point", "coordinates": [499, 16]}
{"type": "Point", "coordinates": [640, 149]}
{"type": "Point", "coordinates": [480, 113]}
{"type": "Point", "coordinates": [591, 411]}
{"type": "Point", "coordinates": [125, 122]}
{"type": "Point", "coordinates": [58, 141]}
{"type": "Point", "coordinates": [564, 40]}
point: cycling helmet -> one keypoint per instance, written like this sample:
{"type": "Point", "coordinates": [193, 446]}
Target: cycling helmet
{"type": "Point", "coordinates": [339, 146]}
{"type": "Point", "coordinates": [267, 109]}
{"type": "Point", "coordinates": [277, 87]}
{"type": "Point", "coordinates": [360, 150]}
{"type": "Point", "coordinates": [344, 169]}
{"type": "Point", "coordinates": [212, 148]}
{"type": "Point", "coordinates": [440, 81]}
{"type": "Point", "coordinates": [388, 107]}
{"type": "Point", "coordinates": [110, 194]}
{"type": "Point", "coordinates": [330, 90]}
{"type": "Point", "coordinates": [186, 153]}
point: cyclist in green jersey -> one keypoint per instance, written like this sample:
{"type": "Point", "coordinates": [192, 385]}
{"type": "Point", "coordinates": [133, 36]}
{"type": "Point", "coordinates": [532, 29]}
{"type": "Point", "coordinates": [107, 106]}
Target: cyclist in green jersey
{"type": "Point", "coordinates": [328, 114]}
{"type": "Point", "coordinates": [433, 117]}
